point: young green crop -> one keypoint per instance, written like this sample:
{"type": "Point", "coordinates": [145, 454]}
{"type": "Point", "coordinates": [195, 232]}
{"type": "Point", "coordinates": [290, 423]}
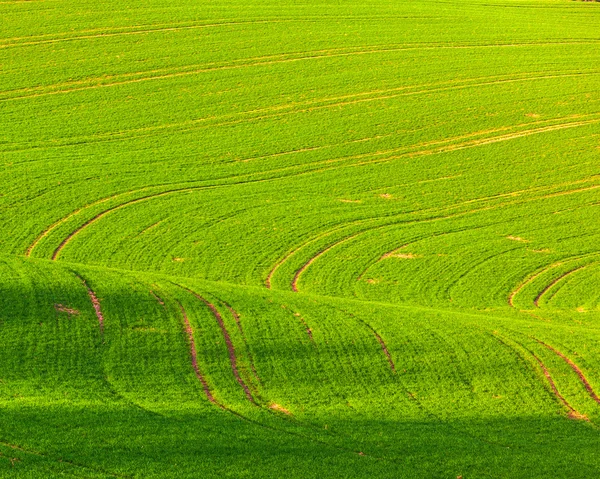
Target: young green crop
{"type": "Point", "coordinates": [352, 239]}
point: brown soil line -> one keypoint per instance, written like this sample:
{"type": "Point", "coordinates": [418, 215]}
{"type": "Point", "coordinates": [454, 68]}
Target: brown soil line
{"type": "Point", "coordinates": [553, 385]}
{"type": "Point", "coordinates": [142, 30]}
{"type": "Point", "coordinates": [238, 321]}
{"type": "Point", "coordinates": [305, 266]}
{"type": "Point", "coordinates": [306, 328]}
{"type": "Point", "coordinates": [385, 350]}
{"type": "Point", "coordinates": [190, 336]}
{"type": "Point", "coordinates": [95, 303]}
{"type": "Point", "coordinates": [481, 142]}
{"type": "Point", "coordinates": [228, 342]}
{"type": "Point", "coordinates": [529, 280]}
{"type": "Point", "coordinates": [158, 298]}
{"type": "Point", "coordinates": [573, 413]}
{"type": "Point", "coordinates": [54, 225]}
{"type": "Point", "coordinates": [574, 367]}
{"type": "Point", "coordinates": [553, 283]}
{"type": "Point", "coordinates": [291, 253]}
{"type": "Point", "coordinates": [100, 215]}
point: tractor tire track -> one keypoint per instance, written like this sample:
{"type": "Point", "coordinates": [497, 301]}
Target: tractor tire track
{"type": "Point", "coordinates": [307, 264]}
{"type": "Point", "coordinates": [142, 30]}
{"type": "Point", "coordinates": [530, 279]}
{"type": "Point", "coordinates": [310, 171]}
{"type": "Point", "coordinates": [577, 371]}
{"type": "Point", "coordinates": [238, 321]}
{"type": "Point", "coordinates": [543, 292]}
{"type": "Point", "coordinates": [230, 347]}
{"type": "Point", "coordinates": [189, 332]}
{"type": "Point", "coordinates": [349, 99]}
{"type": "Point", "coordinates": [572, 412]}
{"type": "Point", "coordinates": [95, 303]}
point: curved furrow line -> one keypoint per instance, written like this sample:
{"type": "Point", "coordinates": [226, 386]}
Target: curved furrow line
{"type": "Point", "coordinates": [284, 259]}
{"type": "Point", "coordinates": [555, 282]}
{"type": "Point", "coordinates": [162, 74]}
{"type": "Point", "coordinates": [194, 355]}
{"type": "Point", "coordinates": [238, 322]}
{"type": "Point", "coordinates": [408, 222]}
{"type": "Point", "coordinates": [574, 367]}
{"type": "Point", "coordinates": [134, 201]}
{"type": "Point", "coordinates": [74, 233]}
{"type": "Point", "coordinates": [52, 227]}
{"type": "Point", "coordinates": [147, 28]}
{"type": "Point", "coordinates": [56, 224]}
{"type": "Point", "coordinates": [485, 141]}
{"type": "Point", "coordinates": [291, 253]}
{"type": "Point", "coordinates": [95, 303]}
{"type": "Point", "coordinates": [378, 337]}
{"type": "Point", "coordinates": [305, 266]}
{"type": "Point", "coordinates": [573, 413]}
{"type": "Point", "coordinates": [61, 460]}
{"type": "Point", "coordinates": [384, 348]}
{"type": "Point", "coordinates": [335, 163]}
{"type": "Point", "coordinates": [306, 328]}
{"type": "Point", "coordinates": [160, 194]}
{"type": "Point", "coordinates": [158, 299]}
{"type": "Point", "coordinates": [527, 281]}
{"type": "Point", "coordinates": [228, 343]}
{"type": "Point", "coordinates": [106, 33]}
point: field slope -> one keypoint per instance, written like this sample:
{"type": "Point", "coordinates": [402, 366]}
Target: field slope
{"type": "Point", "coordinates": [301, 239]}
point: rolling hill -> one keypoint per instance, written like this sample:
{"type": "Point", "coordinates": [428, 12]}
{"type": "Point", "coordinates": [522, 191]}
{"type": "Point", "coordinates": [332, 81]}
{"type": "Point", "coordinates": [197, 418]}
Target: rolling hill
{"type": "Point", "coordinates": [299, 239]}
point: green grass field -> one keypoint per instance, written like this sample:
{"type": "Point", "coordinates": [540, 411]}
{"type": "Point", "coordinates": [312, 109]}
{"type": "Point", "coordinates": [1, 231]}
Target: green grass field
{"type": "Point", "coordinates": [264, 239]}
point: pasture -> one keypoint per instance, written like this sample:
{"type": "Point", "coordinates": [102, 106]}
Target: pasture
{"type": "Point", "coordinates": [299, 239]}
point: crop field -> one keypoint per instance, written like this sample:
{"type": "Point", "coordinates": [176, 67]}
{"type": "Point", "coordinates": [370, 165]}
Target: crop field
{"type": "Point", "coordinates": [300, 239]}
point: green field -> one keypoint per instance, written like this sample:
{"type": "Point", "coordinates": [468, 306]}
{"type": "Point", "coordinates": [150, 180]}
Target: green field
{"type": "Point", "coordinates": [301, 239]}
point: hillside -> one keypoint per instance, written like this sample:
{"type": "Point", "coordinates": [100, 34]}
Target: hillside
{"type": "Point", "coordinates": [301, 240]}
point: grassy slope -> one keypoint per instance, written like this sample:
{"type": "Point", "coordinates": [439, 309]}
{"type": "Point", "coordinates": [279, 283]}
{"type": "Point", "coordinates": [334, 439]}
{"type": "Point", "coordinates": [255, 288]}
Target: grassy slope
{"type": "Point", "coordinates": [341, 240]}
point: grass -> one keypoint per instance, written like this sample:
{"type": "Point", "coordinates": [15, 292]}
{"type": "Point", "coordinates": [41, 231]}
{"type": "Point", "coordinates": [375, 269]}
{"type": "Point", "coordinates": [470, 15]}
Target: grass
{"type": "Point", "coordinates": [304, 240]}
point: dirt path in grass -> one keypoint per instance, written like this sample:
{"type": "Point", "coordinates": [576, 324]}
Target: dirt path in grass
{"type": "Point", "coordinates": [238, 321]}
{"type": "Point", "coordinates": [305, 266]}
{"type": "Point", "coordinates": [306, 328]}
{"type": "Point", "coordinates": [574, 367]}
{"type": "Point", "coordinates": [385, 350]}
{"type": "Point", "coordinates": [573, 414]}
{"type": "Point", "coordinates": [228, 342]}
{"type": "Point", "coordinates": [556, 281]}
{"type": "Point", "coordinates": [190, 336]}
{"type": "Point", "coordinates": [95, 303]}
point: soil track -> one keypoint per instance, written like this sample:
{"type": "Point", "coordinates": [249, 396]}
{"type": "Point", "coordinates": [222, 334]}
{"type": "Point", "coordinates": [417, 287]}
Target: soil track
{"type": "Point", "coordinates": [316, 257]}
{"type": "Point", "coordinates": [95, 303]}
{"type": "Point", "coordinates": [555, 282]}
{"type": "Point", "coordinates": [238, 321]}
{"type": "Point", "coordinates": [385, 350]}
{"type": "Point", "coordinates": [572, 412]}
{"type": "Point", "coordinates": [162, 74]}
{"type": "Point", "coordinates": [190, 336]}
{"type": "Point", "coordinates": [574, 367]}
{"type": "Point", "coordinates": [228, 342]}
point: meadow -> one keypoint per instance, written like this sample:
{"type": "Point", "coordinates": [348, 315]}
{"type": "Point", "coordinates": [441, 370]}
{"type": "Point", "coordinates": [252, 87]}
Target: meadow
{"type": "Point", "coordinates": [299, 239]}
